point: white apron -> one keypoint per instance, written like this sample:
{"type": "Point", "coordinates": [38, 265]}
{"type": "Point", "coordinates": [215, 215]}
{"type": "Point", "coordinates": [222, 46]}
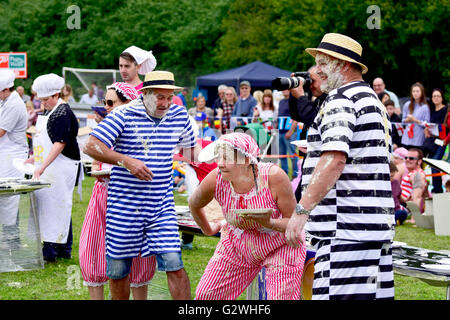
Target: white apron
{"type": "Point", "coordinates": [54, 204]}
{"type": "Point", "coordinates": [8, 151]}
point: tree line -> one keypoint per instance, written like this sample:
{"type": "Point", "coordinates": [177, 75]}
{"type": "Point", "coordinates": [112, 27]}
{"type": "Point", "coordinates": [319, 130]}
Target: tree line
{"type": "Point", "coordinates": [403, 41]}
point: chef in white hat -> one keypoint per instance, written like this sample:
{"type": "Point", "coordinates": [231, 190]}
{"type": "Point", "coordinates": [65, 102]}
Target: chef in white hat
{"type": "Point", "coordinates": [57, 159]}
{"type": "Point", "coordinates": [13, 145]}
{"type": "Point", "coordinates": [134, 61]}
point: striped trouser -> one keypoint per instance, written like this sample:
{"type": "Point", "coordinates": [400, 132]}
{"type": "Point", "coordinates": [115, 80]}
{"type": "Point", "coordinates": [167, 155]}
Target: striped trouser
{"type": "Point", "coordinates": [238, 260]}
{"type": "Point", "coordinates": [351, 270]}
{"type": "Point", "coordinates": [92, 254]}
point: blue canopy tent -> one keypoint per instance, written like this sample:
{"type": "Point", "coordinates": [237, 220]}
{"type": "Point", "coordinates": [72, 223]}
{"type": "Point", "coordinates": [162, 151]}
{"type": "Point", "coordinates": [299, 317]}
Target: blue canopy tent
{"type": "Point", "coordinates": [259, 74]}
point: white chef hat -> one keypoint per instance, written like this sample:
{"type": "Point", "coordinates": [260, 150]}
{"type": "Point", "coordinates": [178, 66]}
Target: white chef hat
{"type": "Point", "coordinates": [142, 57]}
{"type": "Point", "coordinates": [47, 85]}
{"type": "Point", "coordinates": [7, 77]}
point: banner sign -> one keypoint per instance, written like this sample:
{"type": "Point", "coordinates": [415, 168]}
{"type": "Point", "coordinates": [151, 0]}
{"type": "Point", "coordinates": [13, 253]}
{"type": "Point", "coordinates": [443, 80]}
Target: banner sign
{"type": "Point", "coordinates": [16, 61]}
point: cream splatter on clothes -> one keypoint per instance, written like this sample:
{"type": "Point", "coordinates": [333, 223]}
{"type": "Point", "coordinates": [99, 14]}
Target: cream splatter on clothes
{"type": "Point", "coordinates": [245, 247]}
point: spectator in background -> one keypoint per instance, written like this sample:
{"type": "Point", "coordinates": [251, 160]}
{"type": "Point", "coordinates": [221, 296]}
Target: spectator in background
{"type": "Point", "coordinates": [447, 186]}
{"type": "Point", "coordinates": [205, 132]}
{"type": "Point", "coordinates": [220, 99]}
{"type": "Point", "coordinates": [303, 109]}
{"type": "Point", "coordinates": [182, 95]}
{"type": "Point", "coordinates": [177, 100]}
{"type": "Point", "coordinates": [393, 117]}
{"type": "Point", "coordinates": [447, 129]}
{"type": "Point", "coordinates": [401, 213]}
{"type": "Point", "coordinates": [438, 114]}
{"type": "Point", "coordinates": [414, 184]}
{"type": "Point", "coordinates": [398, 159]}
{"type": "Point", "coordinates": [384, 96]}
{"type": "Point", "coordinates": [32, 114]}
{"type": "Point", "coordinates": [390, 108]}
{"type": "Point", "coordinates": [245, 104]}
{"type": "Point", "coordinates": [416, 112]}
{"type": "Point", "coordinates": [379, 86]}
{"type": "Point", "coordinates": [258, 95]}
{"type": "Point", "coordinates": [21, 91]}
{"type": "Point", "coordinates": [200, 106]}
{"type": "Point", "coordinates": [286, 136]}
{"type": "Point", "coordinates": [225, 111]}
{"type": "Point", "coordinates": [67, 94]}
{"type": "Point", "coordinates": [37, 103]}
{"type": "Point", "coordinates": [89, 98]}
{"type": "Point", "coordinates": [266, 110]}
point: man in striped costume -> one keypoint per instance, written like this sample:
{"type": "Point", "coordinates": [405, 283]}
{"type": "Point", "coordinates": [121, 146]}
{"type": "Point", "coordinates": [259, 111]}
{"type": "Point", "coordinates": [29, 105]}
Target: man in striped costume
{"type": "Point", "coordinates": [140, 216]}
{"type": "Point", "coordinates": [347, 206]}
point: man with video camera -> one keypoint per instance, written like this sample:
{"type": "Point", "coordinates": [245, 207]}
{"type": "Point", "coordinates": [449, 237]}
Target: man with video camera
{"type": "Point", "coordinates": [302, 107]}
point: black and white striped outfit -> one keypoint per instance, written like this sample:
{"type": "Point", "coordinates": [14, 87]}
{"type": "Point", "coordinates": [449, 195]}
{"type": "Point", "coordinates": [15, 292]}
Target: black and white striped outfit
{"type": "Point", "coordinates": [353, 225]}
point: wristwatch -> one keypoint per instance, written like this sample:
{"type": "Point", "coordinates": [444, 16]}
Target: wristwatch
{"type": "Point", "coordinates": [299, 209]}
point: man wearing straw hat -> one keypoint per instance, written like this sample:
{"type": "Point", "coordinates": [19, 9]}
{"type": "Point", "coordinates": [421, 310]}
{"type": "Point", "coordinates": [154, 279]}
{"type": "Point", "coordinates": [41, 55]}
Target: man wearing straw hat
{"type": "Point", "coordinates": [347, 205]}
{"type": "Point", "coordinates": [140, 217]}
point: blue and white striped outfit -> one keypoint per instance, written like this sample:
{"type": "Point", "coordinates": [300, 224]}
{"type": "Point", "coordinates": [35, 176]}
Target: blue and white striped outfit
{"type": "Point", "coordinates": [140, 215]}
{"type": "Point", "coordinates": [353, 226]}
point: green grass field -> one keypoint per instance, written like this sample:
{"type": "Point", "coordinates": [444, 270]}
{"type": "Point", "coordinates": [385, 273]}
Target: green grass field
{"type": "Point", "coordinates": [62, 280]}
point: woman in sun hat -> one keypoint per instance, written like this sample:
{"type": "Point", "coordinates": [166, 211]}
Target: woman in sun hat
{"type": "Point", "coordinates": [92, 239]}
{"type": "Point", "coordinates": [250, 242]}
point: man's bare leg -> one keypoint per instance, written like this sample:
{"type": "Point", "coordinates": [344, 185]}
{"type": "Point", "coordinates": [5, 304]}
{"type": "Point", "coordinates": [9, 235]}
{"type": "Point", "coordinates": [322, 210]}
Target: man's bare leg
{"type": "Point", "coordinates": [179, 285]}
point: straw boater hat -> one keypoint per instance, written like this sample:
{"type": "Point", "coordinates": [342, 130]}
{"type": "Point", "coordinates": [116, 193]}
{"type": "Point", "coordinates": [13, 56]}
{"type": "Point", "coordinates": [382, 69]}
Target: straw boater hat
{"type": "Point", "coordinates": [159, 80]}
{"type": "Point", "coordinates": [341, 47]}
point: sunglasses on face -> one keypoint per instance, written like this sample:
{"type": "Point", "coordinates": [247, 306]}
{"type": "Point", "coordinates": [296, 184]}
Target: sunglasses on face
{"type": "Point", "coordinates": [108, 102]}
{"type": "Point", "coordinates": [411, 158]}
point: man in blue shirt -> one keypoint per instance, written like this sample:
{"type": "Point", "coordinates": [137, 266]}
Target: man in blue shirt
{"type": "Point", "coordinates": [245, 104]}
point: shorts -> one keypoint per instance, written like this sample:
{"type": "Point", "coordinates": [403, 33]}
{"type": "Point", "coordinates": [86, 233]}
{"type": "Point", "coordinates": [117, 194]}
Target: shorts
{"type": "Point", "coordinates": [120, 268]}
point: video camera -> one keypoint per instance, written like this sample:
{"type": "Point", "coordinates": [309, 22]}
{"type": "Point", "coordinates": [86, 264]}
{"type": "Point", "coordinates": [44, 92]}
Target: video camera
{"type": "Point", "coordinates": [282, 83]}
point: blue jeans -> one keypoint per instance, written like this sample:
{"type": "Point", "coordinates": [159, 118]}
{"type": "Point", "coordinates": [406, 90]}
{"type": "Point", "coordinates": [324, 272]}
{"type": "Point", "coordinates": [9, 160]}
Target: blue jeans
{"type": "Point", "coordinates": [287, 148]}
{"type": "Point", "coordinates": [401, 215]}
{"type": "Point", "coordinates": [120, 268]}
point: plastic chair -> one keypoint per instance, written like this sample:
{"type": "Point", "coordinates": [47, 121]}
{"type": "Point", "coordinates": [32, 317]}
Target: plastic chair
{"type": "Point", "coordinates": [425, 221]}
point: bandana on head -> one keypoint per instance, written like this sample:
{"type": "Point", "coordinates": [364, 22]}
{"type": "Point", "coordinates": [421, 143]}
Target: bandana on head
{"type": "Point", "coordinates": [129, 92]}
{"type": "Point", "coordinates": [243, 143]}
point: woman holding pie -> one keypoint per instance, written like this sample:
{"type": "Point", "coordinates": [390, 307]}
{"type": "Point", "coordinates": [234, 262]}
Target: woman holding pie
{"type": "Point", "coordinates": [257, 201]}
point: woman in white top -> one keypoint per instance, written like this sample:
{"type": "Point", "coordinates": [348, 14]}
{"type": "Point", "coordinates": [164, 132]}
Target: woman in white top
{"type": "Point", "coordinates": [267, 110]}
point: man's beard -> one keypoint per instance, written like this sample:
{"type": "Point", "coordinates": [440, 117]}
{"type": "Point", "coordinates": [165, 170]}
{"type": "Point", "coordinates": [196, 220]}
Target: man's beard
{"type": "Point", "coordinates": [333, 72]}
{"type": "Point", "coordinates": [150, 104]}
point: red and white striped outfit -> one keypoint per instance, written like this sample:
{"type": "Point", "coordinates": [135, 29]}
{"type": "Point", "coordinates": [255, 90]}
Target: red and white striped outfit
{"type": "Point", "coordinates": [245, 247]}
{"type": "Point", "coordinates": [407, 186]}
{"type": "Point", "coordinates": [92, 253]}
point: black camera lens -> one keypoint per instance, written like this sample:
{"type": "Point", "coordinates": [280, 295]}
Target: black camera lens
{"type": "Point", "coordinates": [282, 83]}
